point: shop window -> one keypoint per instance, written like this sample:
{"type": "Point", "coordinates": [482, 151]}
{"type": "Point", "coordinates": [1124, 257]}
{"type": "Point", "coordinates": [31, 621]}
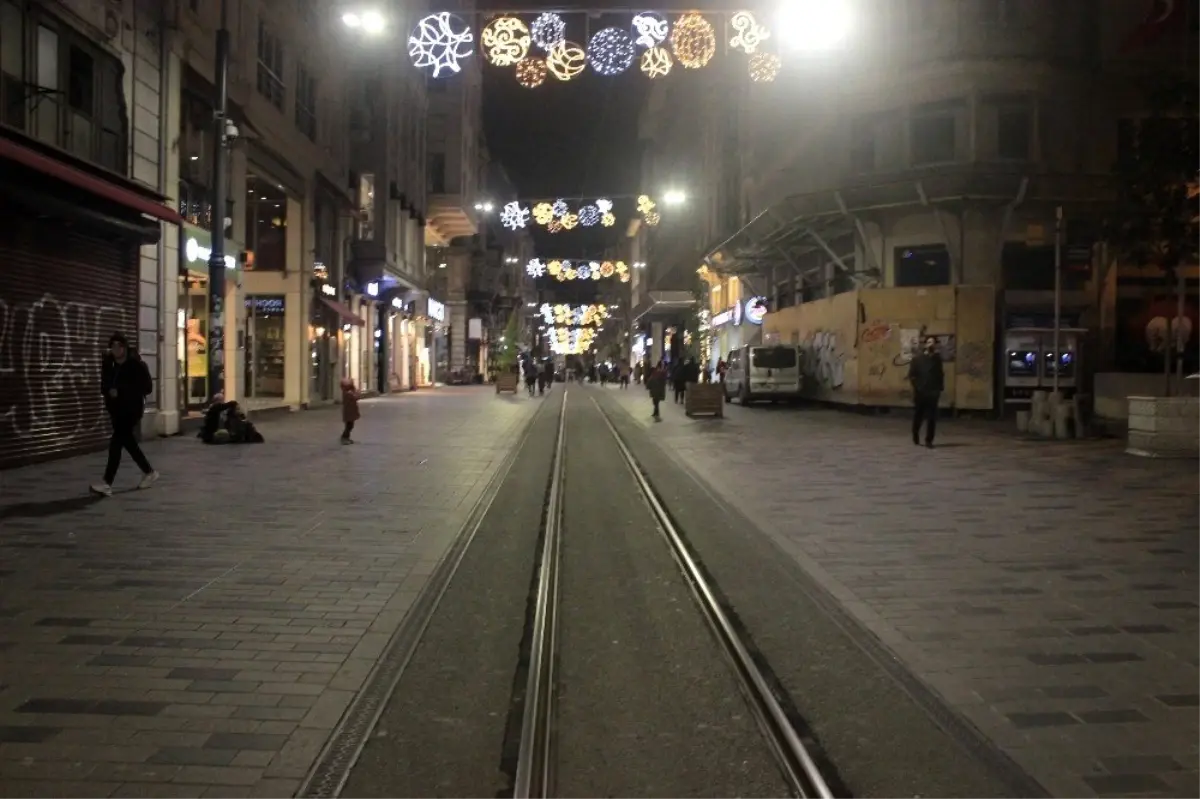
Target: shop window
{"type": "Point", "coordinates": [270, 66]}
{"type": "Point", "coordinates": [932, 134]}
{"type": "Point", "coordinates": [927, 265]}
{"type": "Point", "coordinates": [265, 346]}
{"type": "Point", "coordinates": [1014, 128]}
{"type": "Point", "coordinates": [12, 66]}
{"type": "Point", "coordinates": [306, 103]}
{"type": "Point", "coordinates": [266, 224]}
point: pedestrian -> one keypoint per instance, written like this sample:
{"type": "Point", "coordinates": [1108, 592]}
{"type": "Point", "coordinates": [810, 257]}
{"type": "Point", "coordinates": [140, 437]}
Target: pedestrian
{"type": "Point", "coordinates": [928, 380]}
{"type": "Point", "coordinates": [125, 383]}
{"type": "Point", "coordinates": [679, 381]}
{"type": "Point", "coordinates": [625, 372]}
{"type": "Point", "coordinates": [656, 384]}
{"type": "Point", "coordinates": [350, 413]}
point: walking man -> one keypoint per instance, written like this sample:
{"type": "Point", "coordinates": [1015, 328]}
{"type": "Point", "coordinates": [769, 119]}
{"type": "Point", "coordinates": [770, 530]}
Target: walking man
{"type": "Point", "coordinates": [656, 384]}
{"type": "Point", "coordinates": [125, 382]}
{"type": "Point", "coordinates": [928, 380]}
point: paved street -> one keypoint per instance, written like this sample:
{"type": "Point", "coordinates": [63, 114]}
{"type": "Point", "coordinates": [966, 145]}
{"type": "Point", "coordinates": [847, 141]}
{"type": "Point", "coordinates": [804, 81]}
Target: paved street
{"type": "Point", "coordinates": [204, 637]}
{"type": "Point", "coordinates": [1046, 591]}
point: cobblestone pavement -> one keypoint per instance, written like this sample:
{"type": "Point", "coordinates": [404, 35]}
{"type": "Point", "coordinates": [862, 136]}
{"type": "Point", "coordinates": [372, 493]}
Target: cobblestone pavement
{"type": "Point", "coordinates": [204, 637]}
{"type": "Point", "coordinates": [1046, 590]}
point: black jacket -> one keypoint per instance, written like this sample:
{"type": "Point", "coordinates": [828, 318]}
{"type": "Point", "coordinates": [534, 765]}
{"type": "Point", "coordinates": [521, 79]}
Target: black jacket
{"type": "Point", "coordinates": [133, 384]}
{"type": "Point", "coordinates": [926, 375]}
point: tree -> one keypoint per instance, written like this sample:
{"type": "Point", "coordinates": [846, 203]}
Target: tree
{"type": "Point", "coordinates": [510, 344]}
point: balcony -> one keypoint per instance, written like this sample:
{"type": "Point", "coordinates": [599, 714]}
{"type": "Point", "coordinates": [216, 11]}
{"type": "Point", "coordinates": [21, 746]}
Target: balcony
{"type": "Point", "coordinates": [370, 262]}
{"type": "Point", "coordinates": [450, 217]}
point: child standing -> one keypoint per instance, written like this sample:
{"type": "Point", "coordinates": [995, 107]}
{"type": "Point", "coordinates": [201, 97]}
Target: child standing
{"type": "Point", "coordinates": [350, 412]}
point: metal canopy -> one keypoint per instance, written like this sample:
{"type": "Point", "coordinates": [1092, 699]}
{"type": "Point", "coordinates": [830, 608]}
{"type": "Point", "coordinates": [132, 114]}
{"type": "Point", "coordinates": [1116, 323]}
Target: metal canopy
{"type": "Point", "coordinates": [663, 304]}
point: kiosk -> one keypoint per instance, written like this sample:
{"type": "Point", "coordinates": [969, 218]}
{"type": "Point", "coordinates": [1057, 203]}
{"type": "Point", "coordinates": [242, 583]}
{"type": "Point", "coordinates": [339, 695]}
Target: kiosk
{"type": "Point", "coordinates": [1030, 361]}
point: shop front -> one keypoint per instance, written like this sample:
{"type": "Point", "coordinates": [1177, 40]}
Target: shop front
{"type": "Point", "coordinates": [395, 371]}
{"type": "Point", "coordinates": [436, 354]}
{"type": "Point", "coordinates": [192, 315]}
{"type": "Point", "coordinates": [328, 325]}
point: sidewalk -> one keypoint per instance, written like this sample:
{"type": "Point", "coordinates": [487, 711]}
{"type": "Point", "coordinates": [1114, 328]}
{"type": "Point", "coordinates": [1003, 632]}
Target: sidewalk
{"type": "Point", "coordinates": [205, 636]}
{"type": "Point", "coordinates": [1046, 590]}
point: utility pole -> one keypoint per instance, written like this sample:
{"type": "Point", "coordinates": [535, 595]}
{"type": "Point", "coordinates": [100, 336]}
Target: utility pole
{"type": "Point", "coordinates": [1058, 224]}
{"type": "Point", "coordinates": [220, 186]}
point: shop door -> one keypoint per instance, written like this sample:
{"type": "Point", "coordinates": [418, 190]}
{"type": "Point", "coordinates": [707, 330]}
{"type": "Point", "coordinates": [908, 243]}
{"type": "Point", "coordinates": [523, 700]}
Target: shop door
{"type": "Point", "coordinates": [62, 294]}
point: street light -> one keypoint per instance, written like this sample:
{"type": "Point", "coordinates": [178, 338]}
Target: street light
{"type": "Point", "coordinates": [814, 25]}
{"type": "Point", "coordinates": [674, 197]}
{"type": "Point", "coordinates": [486, 207]}
{"type": "Point", "coordinates": [368, 21]}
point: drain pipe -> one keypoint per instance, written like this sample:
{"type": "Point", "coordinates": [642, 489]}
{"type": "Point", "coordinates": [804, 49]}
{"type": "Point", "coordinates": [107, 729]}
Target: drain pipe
{"type": "Point", "coordinates": [166, 326]}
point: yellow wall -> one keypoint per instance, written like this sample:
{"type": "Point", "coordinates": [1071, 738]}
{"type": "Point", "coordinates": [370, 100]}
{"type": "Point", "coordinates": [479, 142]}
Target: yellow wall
{"type": "Point", "coordinates": [857, 345]}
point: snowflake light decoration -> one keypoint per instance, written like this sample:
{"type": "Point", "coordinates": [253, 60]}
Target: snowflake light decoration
{"type": "Point", "coordinates": [583, 272]}
{"type": "Point", "coordinates": [589, 216]}
{"type": "Point", "coordinates": [513, 216]}
{"type": "Point", "coordinates": [651, 29]}
{"type": "Point", "coordinates": [749, 34]}
{"type": "Point", "coordinates": [560, 208]}
{"type": "Point", "coordinates": [553, 268]}
{"type": "Point", "coordinates": [555, 226]}
{"type": "Point", "coordinates": [611, 51]}
{"type": "Point", "coordinates": [653, 218]}
{"type": "Point", "coordinates": [624, 277]}
{"type": "Point", "coordinates": [566, 60]}
{"type": "Point", "coordinates": [604, 205]}
{"type": "Point", "coordinates": [505, 41]}
{"type": "Point", "coordinates": [570, 221]}
{"type": "Point", "coordinates": [656, 63]}
{"type": "Point", "coordinates": [765, 67]}
{"type": "Point", "coordinates": [535, 268]}
{"type": "Point", "coordinates": [645, 204]}
{"type": "Point", "coordinates": [441, 41]}
{"type": "Point", "coordinates": [547, 311]}
{"type": "Point", "coordinates": [548, 30]}
{"type": "Point", "coordinates": [596, 273]}
{"type": "Point", "coordinates": [607, 269]}
{"type": "Point", "coordinates": [531, 72]}
{"type": "Point", "coordinates": [543, 213]}
{"type": "Point", "coordinates": [694, 41]}
{"type": "Point", "coordinates": [608, 220]}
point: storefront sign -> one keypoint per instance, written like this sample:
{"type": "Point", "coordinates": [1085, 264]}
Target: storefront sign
{"type": "Point", "coordinates": [328, 290]}
{"type": "Point", "coordinates": [756, 309]}
{"type": "Point", "coordinates": [738, 311]}
{"type": "Point", "coordinates": [398, 303]}
{"type": "Point", "coordinates": [197, 248]}
{"type": "Point", "coordinates": [266, 305]}
{"type": "Point", "coordinates": [372, 289]}
{"type": "Point", "coordinates": [723, 318]}
{"type": "Point", "coordinates": [437, 311]}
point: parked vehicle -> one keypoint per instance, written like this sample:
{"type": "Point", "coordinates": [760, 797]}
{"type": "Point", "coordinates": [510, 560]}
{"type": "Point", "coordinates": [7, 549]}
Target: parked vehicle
{"type": "Point", "coordinates": [758, 372]}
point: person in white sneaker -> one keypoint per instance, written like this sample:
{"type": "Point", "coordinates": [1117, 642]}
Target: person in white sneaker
{"type": "Point", "coordinates": [125, 381]}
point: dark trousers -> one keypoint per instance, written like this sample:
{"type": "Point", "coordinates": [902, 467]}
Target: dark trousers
{"type": "Point", "coordinates": [123, 439]}
{"type": "Point", "coordinates": [655, 400]}
{"type": "Point", "coordinates": [680, 390]}
{"type": "Point", "coordinates": [925, 409]}
{"type": "Point", "coordinates": [348, 430]}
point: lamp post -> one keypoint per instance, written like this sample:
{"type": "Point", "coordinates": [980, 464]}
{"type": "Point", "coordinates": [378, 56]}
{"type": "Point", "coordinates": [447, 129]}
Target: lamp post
{"type": "Point", "coordinates": [220, 184]}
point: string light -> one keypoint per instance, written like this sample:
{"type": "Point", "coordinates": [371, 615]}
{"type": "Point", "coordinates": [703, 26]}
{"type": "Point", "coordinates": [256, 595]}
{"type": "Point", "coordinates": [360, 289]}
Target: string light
{"type": "Point", "coordinates": [535, 268]}
{"type": "Point", "coordinates": [608, 220]}
{"type": "Point", "coordinates": [441, 41]}
{"type": "Point", "coordinates": [555, 226]}
{"type": "Point", "coordinates": [531, 72]}
{"type": "Point", "coordinates": [750, 34]}
{"type": "Point", "coordinates": [560, 208]}
{"type": "Point", "coordinates": [765, 67]}
{"type": "Point", "coordinates": [604, 204]}
{"type": "Point", "coordinates": [694, 41]}
{"type": "Point", "coordinates": [656, 63]}
{"type": "Point", "coordinates": [653, 218]}
{"type": "Point", "coordinates": [513, 216]}
{"type": "Point", "coordinates": [543, 213]}
{"type": "Point", "coordinates": [651, 29]}
{"type": "Point", "coordinates": [611, 51]}
{"type": "Point", "coordinates": [566, 60]}
{"type": "Point", "coordinates": [564, 271]}
{"type": "Point", "coordinates": [505, 41]}
{"type": "Point", "coordinates": [548, 30]}
{"type": "Point", "coordinates": [644, 204]}
{"type": "Point", "coordinates": [570, 221]}
{"type": "Point", "coordinates": [589, 216]}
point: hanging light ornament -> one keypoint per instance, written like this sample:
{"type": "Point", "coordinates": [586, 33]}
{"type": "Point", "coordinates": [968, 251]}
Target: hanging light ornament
{"type": "Point", "coordinates": [531, 72]}
{"type": "Point", "coordinates": [543, 213]}
{"type": "Point", "coordinates": [569, 222]}
{"type": "Point", "coordinates": [749, 34]}
{"type": "Point", "coordinates": [604, 204]}
{"type": "Point", "coordinates": [650, 29]}
{"type": "Point", "coordinates": [555, 226]}
{"type": "Point", "coordinates": [560, 208]}
{"type": "Point", "coordinates": [608, 219]}
{"type": "Point", "coordinates": [554, 267]}
{"type": "Point", "coordinates": [653, 218]}
{"type": "Point", "coordinates": [548, 30]}
{"type": "Point", "coordinates": [566, 60]}
{"type": "Point", "coordinates": [611, 51]}
{"type": "Point", "coordinates": [607, 269]}
{"type": "Point", "coordinates": [765, 67]}
{"type": "Point", "coordinates": [694, 41]}
{"type": "Point", "coordinates": [596, 272]}
{"type": "Point", "coordinates": [656, 63]}
{"type": "Point", "coordinates": [505, 41]}
{"type": "Point", "coordinates": [440, 41]}
{"type": "Point", "coordinates": [589, 216]}
{"type": "Point", "coordinates": [645, 204]}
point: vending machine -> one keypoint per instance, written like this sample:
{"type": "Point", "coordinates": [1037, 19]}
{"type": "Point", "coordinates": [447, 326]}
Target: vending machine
{"type": "Point", "coordinates": [1030, 362]}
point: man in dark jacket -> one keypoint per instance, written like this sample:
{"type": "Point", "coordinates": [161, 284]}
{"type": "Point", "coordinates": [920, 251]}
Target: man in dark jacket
{"type": "Point", "coordinates": [656, 384]}
{"type": "Point", "coordinates": [928, 380]}
{"type": "Point", "coordinates": [125, 382]}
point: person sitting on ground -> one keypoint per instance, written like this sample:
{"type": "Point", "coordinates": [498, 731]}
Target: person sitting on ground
{"type": "Point", "coordinates": [226, 423]}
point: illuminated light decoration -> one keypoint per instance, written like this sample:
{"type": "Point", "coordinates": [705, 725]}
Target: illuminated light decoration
{"type": "Point", "coordinates": [554, 267]}
{"type": "Point", "coordinates": [608, 220]}
{"type": "Point", "coordinates": [765, 67]}
{"type": "Point", "coordinates": [611, 51]}
{"type": "Point", "coordinates": [560, 208]}
{"type": "Point", "coordinates": [596, 273]}
{"type": "Point", "coordinates": [566, 60]}
{"type": "Point", "coordinates": [749, 33]}
{"type": "Point", "coordinates": [607, 269]}
{"type": "Point", "coordinates": [589, 216]}
{"type": "Point", "coordinates": [604, 205]}
{"type": "Point", "coordinates": [621, 267]}
{"type": "Point", "coordinates": [543, 213]}
{"type": "Point", "coordinates": [624, 277]}
{"type": "Point", "coordinates": [651, 29]}
{"type": "Point", "coordinates": [653, 218]}
{"type": "Point", "coordinates": [532, 72]}
{"type": "Point", "coordinates": [555, 226]}
{"type": "Point", "coordinates": [535, 268]}
{"type": "Point", "coordinates": [513, 216]}
{"type": "Point", "coordinates": [569, 273]}
{"type": "Point", "coordinates": [441, 41]}
{"type": "Point", "coordinates": [584, 272]}
{"type": "Point", "coordinates": [548, 30]}
{"type": "Point", "coordinates": [505, 41]}
{"type": "Point", "coordinates": [645, 205]}
{"type": "Point", "coordinates": [656, 63]}
{"type": "Point", "coordinates": [569, 222]}
{"type": "Point", "coordinates": [694, 41]}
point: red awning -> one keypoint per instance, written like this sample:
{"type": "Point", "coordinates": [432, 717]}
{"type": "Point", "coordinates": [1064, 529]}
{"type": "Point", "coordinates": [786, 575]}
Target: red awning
{"type": "Point", "coordinates": [348, 316]}
{"type": "Point", "coordinates": [91, 183]}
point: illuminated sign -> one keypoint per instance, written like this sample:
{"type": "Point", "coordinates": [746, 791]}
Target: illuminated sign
{"type": "Point", "coordinates": [195, 252]}
{"type": "Point", "coordinates": [723, 318]}
{"type": "Point", "coordinates": [397, 303]}
{"type": "Point", "coordinates": [373, 289]}
{"type": "Point", "coordinates": [756, 309]}
{"type": "Point", "coordinates": [328, 290]}
{"type": "Point", "coordinates": [437, 311]}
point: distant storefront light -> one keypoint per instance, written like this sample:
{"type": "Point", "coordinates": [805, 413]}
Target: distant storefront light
{"type": "Point", "coordinates": [372, 289]}
{"type": "Point", "coordinates": [195, 252]}
{"type": "Point", "coordinates": [437, 311]}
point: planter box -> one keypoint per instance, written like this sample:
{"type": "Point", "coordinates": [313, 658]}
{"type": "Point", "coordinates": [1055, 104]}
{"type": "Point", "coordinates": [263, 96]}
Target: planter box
{"type": "Point", "coordinates": [507, 381]}
{"type": "Point", "coordinates": [705, 399]}
{"type": "Point", "coordinates": [1164, 427]}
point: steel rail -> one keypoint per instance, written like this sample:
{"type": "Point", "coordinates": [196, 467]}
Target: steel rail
{"type": "Point", "coordinates": [535, 759]}
{"type": "Point", "coordinates": [799, 769]}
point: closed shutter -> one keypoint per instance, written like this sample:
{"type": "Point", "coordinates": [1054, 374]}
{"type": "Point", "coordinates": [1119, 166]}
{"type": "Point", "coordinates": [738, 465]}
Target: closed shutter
{"type": "Point", "coordinates": [63, 292]}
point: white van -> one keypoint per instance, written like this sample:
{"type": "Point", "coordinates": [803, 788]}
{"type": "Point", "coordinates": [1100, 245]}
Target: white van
{"type": "Point", "coordinates": [757, 372]}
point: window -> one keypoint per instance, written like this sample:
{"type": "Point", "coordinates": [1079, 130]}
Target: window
{"type": "Point", "coordinates": [927, 265]}
{"type": "Point", "coordinates": [932, 134]}
{"type": "Point", "coordinates": [306, 103]}
{"type": "Point", "coordinates": [366, 207]}
{"type": "Point", "coordinates": [12, 66]}
{"type": "Point", "coordinates": [48, 125]}
{"type": "Point", "coordinates": [1014, 127]}
{"type": "Point", "coordinates": [437, 173]}
{"type": "Point", "coordinates": [266, 224]}
{"type": "Point", "coordinates": [270, 66]}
